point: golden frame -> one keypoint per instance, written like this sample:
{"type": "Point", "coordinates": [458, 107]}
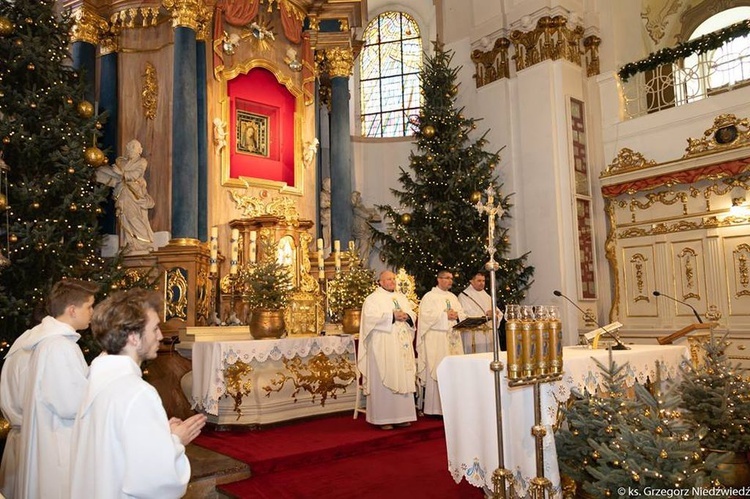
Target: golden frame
{"type": "Point", "coordinates": [299, 106]}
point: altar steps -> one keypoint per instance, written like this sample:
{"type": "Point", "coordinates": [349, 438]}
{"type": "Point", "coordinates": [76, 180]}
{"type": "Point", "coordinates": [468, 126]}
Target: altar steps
{"type": "Point", "coordinates": [336, 457]}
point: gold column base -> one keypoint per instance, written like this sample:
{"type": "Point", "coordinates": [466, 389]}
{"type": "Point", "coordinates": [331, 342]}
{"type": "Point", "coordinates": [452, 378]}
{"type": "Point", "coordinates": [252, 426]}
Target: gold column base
{"type": "Point", "coordinates": [502, 484]}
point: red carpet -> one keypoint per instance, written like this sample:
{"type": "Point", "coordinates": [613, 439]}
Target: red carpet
{"type": "Point", "coordinates": [339, 457]}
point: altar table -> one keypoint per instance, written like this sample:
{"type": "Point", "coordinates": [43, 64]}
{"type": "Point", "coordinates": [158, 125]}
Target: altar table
{"type": "Point", "coordinates": [467, 393]}
{"type": "Point", "coordinates": [266, 381]}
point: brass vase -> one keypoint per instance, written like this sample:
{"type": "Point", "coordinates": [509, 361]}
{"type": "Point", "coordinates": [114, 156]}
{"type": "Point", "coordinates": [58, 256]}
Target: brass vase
{"type": "Point", "coordinates": [267, 324]}
{"type": "Point", "coordinates": [350, 321]}
{"type": "Point", "coordinates": [734, 469]}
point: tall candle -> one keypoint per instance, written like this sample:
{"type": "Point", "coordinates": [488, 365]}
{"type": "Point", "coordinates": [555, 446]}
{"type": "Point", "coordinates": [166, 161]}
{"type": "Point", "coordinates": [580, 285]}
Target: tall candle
{"type": "Point", "coordinates": [321, 262]}
{"type": "Point", "coordinates": [337, 245]}
{"type": "Point", "coordinates": [337, 260]}
{"type": "Point", "coordinates": [235, 251]}
{"type": "Point", "coordinates": [214, 247]}
{"type": "Point", "coordinates": [253, 247]}
{"type": "Point", "coordinates": [320, 243]}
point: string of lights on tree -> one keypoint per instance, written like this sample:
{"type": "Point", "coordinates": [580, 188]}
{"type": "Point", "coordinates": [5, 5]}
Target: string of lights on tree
{"type": "Point", "coordinates": [48, 140]}
{"type": "Point", "coordinates": [699, 45]}
{"type": "Point", "coordinates": [436, 224]}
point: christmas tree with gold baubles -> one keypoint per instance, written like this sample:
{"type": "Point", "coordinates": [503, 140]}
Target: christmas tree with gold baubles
{"type": "Point", "coordinates": [436, 224]}
{"type": "Point", "coordinates": [49, 226]}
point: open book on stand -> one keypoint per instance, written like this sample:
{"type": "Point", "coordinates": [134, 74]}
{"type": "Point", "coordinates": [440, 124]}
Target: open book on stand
{"type": "Point", "coordinates": [471, 322]}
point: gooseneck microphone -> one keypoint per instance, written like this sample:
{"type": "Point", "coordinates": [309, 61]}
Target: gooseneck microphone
{"type": "Point", "coordinates": [695, 312]}
{"type": "Point", "coordinates": [620, 345]}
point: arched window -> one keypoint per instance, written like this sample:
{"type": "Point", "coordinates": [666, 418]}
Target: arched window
{"type": "Point", "coordinates": [389, 75]}
{"type": "Point", "coordinates": [719, 70]}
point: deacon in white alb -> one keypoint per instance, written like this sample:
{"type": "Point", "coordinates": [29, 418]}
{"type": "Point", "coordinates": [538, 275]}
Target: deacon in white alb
{"type": "Point", "coordinates": [386, 355]}
{"type": "Point", "coordinates": [124, 445]}
{"type": "Point", "coordinates": [477, 303]}
{"type": "Point", "coordinates": [439, 311]}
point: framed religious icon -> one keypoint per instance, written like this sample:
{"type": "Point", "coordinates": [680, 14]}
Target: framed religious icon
{"type": "Point", "coordinates": [264, 110]}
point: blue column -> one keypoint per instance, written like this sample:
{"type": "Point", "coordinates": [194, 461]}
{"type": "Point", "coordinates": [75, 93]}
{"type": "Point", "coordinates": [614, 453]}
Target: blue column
{"type": "Point", "coordinates": [108, 89]}
{"type": "Point", "coordinates": [200, 77]}
{"type": "Point", "coordinates": [184, 136]}
{"type": "Point", "coordinates": [83, 55]}
{"type": "Point", "coordinates": [341, 158]}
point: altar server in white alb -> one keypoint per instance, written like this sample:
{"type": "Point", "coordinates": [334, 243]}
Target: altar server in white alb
{"type": "Point", "coordinates": [124, 445]}
{"type": "Point", "coordinates": [386, 355]}
{"type": "Point", "coordinates": [439, 311]}
{"type": "Point", "coordinates": [477, 303]}
{"type": "Point", "coordinates": [41, 386]}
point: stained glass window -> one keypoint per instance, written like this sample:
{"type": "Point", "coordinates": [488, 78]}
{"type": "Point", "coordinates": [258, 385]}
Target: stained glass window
{"type": "Point", "coordinates": [389, 75]}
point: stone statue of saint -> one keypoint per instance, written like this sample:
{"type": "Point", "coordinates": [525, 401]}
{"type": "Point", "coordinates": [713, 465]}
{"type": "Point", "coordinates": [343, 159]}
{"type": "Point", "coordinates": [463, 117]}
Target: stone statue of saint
{"type": "Point", "coordinates": [131, 198]}
{"type": "Point", "coordinates": [361, 231]}
{"type": "Point", "coordinates": [325, 212]}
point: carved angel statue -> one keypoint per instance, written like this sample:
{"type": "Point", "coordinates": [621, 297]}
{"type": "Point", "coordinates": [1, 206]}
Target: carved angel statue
{"type": "Point", "coordinates": [361, 230]}
{"type": "Point", "coordinates": [309, 150]}
{"type": "Point", "coordinates": [220, 134]}
{"type": "Point", "coordinates": [132, 199]}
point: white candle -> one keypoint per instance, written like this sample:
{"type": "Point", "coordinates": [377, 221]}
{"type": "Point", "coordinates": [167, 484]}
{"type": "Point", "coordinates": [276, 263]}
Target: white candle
{"type": "Point", "coordinates": [253, 250]}
{"type": "Point", "coordinates": [321, 274]}
{"type": "Point", "coordinates": [337, 260]}
{"type": "Point", "coordinates": [253, 236]}
{"type": "Point", "coordinates": [320, 243]}
{"type": "Point", "coordinates": [214, 246]}
{"type": "Point", "coordinates": [235, 251]}
{"type": "Point", "coordinates": [321, 262]}
{"type": "Point", "coordinates": [337, 245]}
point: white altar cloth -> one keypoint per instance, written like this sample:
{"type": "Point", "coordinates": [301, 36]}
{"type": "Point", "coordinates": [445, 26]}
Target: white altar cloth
{"type": "Point", "coordinates": [467, 392]}
{"type": "Point", "coordinates": [212, 358]}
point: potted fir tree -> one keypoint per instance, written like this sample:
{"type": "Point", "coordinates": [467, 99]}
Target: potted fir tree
{"type": "Point", "coordinates": [266, 288]}
{"type": "Point", "coordinates": [346, 294]}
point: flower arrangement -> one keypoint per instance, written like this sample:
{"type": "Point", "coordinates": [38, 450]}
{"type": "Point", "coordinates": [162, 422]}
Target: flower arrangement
{"type": "Point", "coordinates": [266, 285]}
{"type": "Point", "coordinates": [349, 289]}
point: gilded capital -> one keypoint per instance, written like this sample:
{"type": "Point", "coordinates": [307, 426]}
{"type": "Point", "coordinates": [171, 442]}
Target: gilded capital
{"type": "Point", "coordinates": [185, 13]}
{"type": "Point", "coordinates": [340, 62]}
{"type": "Point", "coordinates": [108, 42]}
{"type": "Point", "coordinates": [88, 26]}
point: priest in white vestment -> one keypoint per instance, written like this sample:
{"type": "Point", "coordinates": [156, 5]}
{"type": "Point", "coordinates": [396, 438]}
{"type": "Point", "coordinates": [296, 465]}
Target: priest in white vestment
{"type": "Point", "coordinates": [124, 444]}
{"type": "Point", "coordinates": [439, 311]}
{"type": "Point", "coordinates": [386, 355]}
{"type": "Point", "coordinates": [477, 303]}
{"type": "Point", "coordinates": [41, 387]}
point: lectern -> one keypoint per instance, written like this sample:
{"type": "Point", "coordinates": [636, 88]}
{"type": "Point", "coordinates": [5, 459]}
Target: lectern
{"type": "Point", "coordinates": [695, 342]}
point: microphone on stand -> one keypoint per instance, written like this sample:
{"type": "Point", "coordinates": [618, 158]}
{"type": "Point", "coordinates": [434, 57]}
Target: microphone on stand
{"type": "Point", "coordinates": [695, 312]}
{"type": "Point", "coordinates": [620, 345]}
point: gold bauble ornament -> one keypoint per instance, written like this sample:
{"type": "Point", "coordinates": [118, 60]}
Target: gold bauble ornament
{"type": "Point", "coordinates": [4, 428]}
{"type": "Point", "coordinates": [428, 131]}
{"type": "Point", "coordinates": [6, 26]}
{"type": "Point", "coordinates": [659, 430]}
{"type": "Point", "coordinates": [663, 454]}
{"type": "Point", "coordinates": [30, 66]}
{"type": "Point", "coordinates": [475, 197]}
{"type": "Point", "coordinates": [3, 202]}
{"type": "Point", "coordinates": [73, 207]}
{"type": "Point", "coordinates": [94, 156]}
{"type": "Point", "coordinates": [406, 218]}
{"type": "Point", "coordinates": [85, 109]}
{"type": "Point", "coordinates": [6, 140]}
{"type": "Point", "coordinates": [429, 157]}
{"type": "Point", "coordinates": [13, 238]}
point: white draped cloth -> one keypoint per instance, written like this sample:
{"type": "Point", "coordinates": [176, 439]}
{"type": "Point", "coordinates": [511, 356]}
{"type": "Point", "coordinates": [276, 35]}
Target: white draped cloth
{"type": "Point", "coordinates": [436, 339]}
{"type": "Point", "coordinates": [386, 358]}
{"type": "Point", "coordinates": [123, 445]}
{"type": "Point", "coordinates": [56, 377]}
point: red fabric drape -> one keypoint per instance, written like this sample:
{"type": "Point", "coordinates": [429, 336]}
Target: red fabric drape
{"type": "Point", "coordinates": [236, 13]}
{"type": "Point", "coordinates": [292, 25]}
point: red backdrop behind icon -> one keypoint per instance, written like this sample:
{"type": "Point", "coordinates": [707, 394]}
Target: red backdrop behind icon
{"type": "Point", "coordinates": [259, 93]}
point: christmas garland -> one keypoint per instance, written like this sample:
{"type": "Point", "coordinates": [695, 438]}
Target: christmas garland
{"type": "Point", "coordinates": [699, 45]}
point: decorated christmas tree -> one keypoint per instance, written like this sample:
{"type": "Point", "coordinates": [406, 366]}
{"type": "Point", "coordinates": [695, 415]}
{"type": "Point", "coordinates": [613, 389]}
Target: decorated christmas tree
{"type": "Point", "coordinates": [716, 397]}
{"type": "Point", "coordinates": [436, 224]}
{"type": "Point", "coordinates": [50, 201]}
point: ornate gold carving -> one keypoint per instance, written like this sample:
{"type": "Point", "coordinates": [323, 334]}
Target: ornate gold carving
{"type": "Point", "coordinates": [406, 285]}
{"type": "Point", "coordinates": [176, 294]}
{"type": "Point", "coordinates": [128, 18]}
{"type": "Point", "coordinates": [728, 132]}
{"type": "Point", "coordinates": [320, 377]}
{"type": "Point", "coordinates": [314, 22]}
{"type": "Point", "coordinates": [251, 206]}
{"type": "Point", "coordinates": [627, 160]}
{"type": "Point", "coordinates": [340, 61]}
{"type": "Point", "coordinates": [713, 314]}
{"type": "Point", "coordinates": [186, 13]}
{"type": "Point", "coordinates": [656, 23]}
{"type": "Point", "coordinates": [591, 52]}
{"type": "Point", "coordinates": [551, 40]}
{"type": "Point", "coordinates": [687, 256]}
{"type": "Point", "coordinates": [344, 24]}
{"type": "Point", "coordinates": [305, 315]}
{"type": "Point", "coordinates": [741, 272]}
{"type": "Point", "coordinates": [88, 26]}
{"type": "Point", "coordinates": [610, 252]}
{"type": "Point", "coordinates": [637, 261]}
{"type": "Point", "coordinates": [202, 298]}
{"type": "Point", "coordinates": [696, 345]}
{"type": "Point", "coordinates": [108, 41]}
{"type": "Point", "coordinates": [659, 197]}
{"type": "Point", "coordinates": [149, 91]}
{"type": "Point", "coordinates": [493, 64]}
{"type": "Point", "coordinates": [238, 383]}
{"type": "Point", "coordinates": [711, 222]}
